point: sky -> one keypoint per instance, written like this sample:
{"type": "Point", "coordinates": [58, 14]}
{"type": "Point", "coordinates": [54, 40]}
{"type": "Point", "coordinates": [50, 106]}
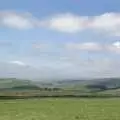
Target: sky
{"type": "Point", "coordinates": [59, 39]}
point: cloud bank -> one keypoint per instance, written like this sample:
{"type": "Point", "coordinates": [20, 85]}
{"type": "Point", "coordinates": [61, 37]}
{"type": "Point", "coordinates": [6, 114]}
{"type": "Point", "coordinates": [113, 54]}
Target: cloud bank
{"type": "Point", "coordinates": [67, 22]}
{"type": "Point", "coordinates": [93, 46]}
{"type": "Point", "coordinates": [63, 69]}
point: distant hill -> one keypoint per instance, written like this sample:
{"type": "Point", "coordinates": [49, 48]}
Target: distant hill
{"type": "Point", "coordinates": [110, 82]}
{"type": "Point", "coordinates": [82, 85]}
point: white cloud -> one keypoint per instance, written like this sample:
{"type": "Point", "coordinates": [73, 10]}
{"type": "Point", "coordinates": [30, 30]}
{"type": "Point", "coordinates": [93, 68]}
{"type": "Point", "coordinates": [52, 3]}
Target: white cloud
{"type": "Point", "coordinates": [89, 46]}
{"type": "Point", "coordinates": [107, 22]}
{"type": "Point", "coordinates": [114, 47]}
{"type": "Point", "coordinates": [18, 63]}
{"type": "Point", "coordinates": [116, 44]}
{"type": "Point", "coordinates": [93, 46]}
{"type": "Point", "coordinates": [17, 20]}
{"type": "Point", "coordinates": [67, 22]}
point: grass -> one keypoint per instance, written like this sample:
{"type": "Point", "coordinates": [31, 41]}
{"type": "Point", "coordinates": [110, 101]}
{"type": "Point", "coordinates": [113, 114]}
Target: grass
{"type": "Point", "coordinates": [60, 109]}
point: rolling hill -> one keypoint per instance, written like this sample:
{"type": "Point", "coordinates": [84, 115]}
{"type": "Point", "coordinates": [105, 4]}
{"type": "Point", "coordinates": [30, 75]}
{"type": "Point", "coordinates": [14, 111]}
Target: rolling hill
{"type": "Point", "coordinates": [105, 85]}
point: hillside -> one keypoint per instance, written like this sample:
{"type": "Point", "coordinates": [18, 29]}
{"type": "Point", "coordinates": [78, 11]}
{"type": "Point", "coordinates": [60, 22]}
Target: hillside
{"type": "Point", "coordinates": [102, 86]}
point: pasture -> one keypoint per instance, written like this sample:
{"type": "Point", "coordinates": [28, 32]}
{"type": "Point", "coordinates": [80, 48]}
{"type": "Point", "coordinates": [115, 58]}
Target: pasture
{"type": "Point", "coordinates": [60, 109]}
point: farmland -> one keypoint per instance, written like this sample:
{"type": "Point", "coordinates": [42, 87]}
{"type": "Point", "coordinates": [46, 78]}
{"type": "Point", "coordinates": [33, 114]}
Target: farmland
{"type": "Point", "coordinates": [60, 109]}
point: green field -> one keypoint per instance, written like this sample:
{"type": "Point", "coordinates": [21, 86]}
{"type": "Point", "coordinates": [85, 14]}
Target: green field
{"type": "Point", "coordinates": [60, 109]}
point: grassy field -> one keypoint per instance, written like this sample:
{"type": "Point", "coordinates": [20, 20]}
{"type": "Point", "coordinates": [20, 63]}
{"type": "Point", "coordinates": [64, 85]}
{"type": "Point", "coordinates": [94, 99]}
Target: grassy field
{"type": "Point", "coordinates": [60, 109]}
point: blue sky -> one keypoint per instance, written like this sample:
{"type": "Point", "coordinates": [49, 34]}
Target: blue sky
{"type": "Point", "coordinates": [59, 39]}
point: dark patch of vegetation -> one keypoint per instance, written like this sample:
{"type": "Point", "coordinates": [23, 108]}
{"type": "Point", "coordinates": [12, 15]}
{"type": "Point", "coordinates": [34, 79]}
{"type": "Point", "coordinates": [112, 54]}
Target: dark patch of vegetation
{"type": "Point", "coordinates": [97, 87]}
{"type": "Point", "coordinates": [31, 87]}
{"type": "Point", "coordinates": [57, 96]}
